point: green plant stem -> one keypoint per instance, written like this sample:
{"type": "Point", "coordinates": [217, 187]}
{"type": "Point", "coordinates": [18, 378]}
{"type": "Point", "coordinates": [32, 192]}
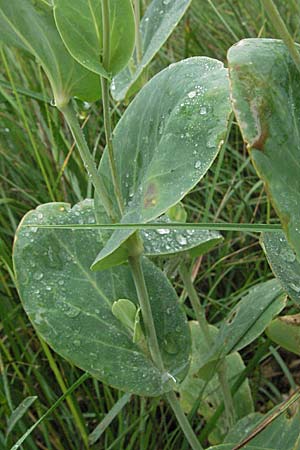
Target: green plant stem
{"type": "Point", "coordinates": [203, 324]}
{"type": "Point", "coordinates": [282, 30]}
{"type": "Point", "coordinates": [105, 103]}
{"type": "Point", "coordinates": [183, 421]}
{"type": "Point", "coordinates": [70, 117]}
{"type": "Point", "coordinates": [143, 296]}
{"type": "Point", "coordinates": [138, 37]}
{"type": "Point", "coordinates": [194, 299]}
{"type": "Point", "coordinates": [108, 136]}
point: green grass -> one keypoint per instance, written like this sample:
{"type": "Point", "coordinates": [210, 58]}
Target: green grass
{"type": "Point", "coordinates": [39, 164]}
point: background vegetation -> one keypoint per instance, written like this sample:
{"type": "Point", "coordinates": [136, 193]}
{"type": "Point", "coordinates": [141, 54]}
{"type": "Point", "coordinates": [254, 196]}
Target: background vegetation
{"type": "Point", "coordinates": [38, 164]}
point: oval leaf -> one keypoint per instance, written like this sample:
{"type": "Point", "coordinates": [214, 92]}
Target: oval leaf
{"type": "Point", "coordinates": [283, 262]}
{"type": "Point", "coordinates": [266, 100]}
{"type": "Point", "coordinates": [71, 307]}
{"type": "Point", "coordinates": [166, 141]}
{"type": "Point", "coordinates": [80, 25]}
{"type": "Point", "coordinates": [285, 331]}
{"type": "Point", "coordinates": [33, 29]}
{"type": "Point", "coordinates": [158, 22]}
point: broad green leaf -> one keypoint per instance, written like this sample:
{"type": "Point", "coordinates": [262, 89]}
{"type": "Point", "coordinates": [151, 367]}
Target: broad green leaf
{"type": "Point", "coordinates": [166, 141]}
{"type": "Point", "coordinates": [266, 99]}
{"type": "Point", "coordinates": [33, 29]}
{"type": "Point", "coordinates": [282, 433]}
{"type": "Point", "coordinates": [285, 331]}
{"type": "Point", "coordinates": [211, 395]}
{"type": "Point", "coordinates": [80, 25]}
{"type": "Point", "coordinates": [71, 307]}
{"type": "Point", "coordinates": [283, 262]}
{"type": "Point", "coordinates": [158, 22]}
{"type": "Point", "coordinates": [18, 413]}
{"type": "Point", "coordinates": [163, 242]}
{"type": "Point", "coordinates": [249, 318]}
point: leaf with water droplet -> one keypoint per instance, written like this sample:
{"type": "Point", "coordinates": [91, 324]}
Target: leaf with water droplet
{"type": "Point", "coordinates": [283, 262]}
{"type": "Point", "coordinates": [155, 28]}
{"type": "Point", "coordinates": [156, 175]}
{"type": "Point", "coordinates": [76, 318]}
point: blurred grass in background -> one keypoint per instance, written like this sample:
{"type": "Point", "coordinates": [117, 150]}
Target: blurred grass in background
{"type": "Point", "coordinates": [39, 164]}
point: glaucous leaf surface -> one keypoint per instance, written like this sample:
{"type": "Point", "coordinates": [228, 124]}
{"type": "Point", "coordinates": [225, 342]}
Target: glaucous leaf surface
{"type": "Point", "coordinates": [282, 433]}
{"type": "Point", "coordinates": [285, 331]}
{"type": "Point", "coordinates": [164, 242]}
{"type": "Point", "coordinates": [249, 318]}
{"type": "Point", "coordinates": [283, 262]}
{"type": "Point", "coordinates": [166, 141]}
{"type": "Point", "coordinates": [266, 98]}
{"type": "Point", "coordinates": [71, 307]}
{"type": "Point", "coordinates": [32, 28]}
{"type": "Point", "coordinates": [80, 25]}
{"type": "Point", "coordinates": [193, 386]}
{"type": "Point", "coordinates": [158, 22]}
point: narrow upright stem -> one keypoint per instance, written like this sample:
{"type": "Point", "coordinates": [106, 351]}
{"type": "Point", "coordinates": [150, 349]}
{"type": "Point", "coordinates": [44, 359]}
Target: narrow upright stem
{"type": "Point", "coordinates": [89, 163]}
{"type": "Point", "coordinates": [138, 37]}
{"type": "Point", "coordinates": [282, 30]}
{"type": "Point", "coordinates": [105, 103]}
{"type": "Point", "coordinates": [183, 421]}
{"type": "Point", "coordinates": [194, 299]}
{"type": "Point", "coordinates": [109, 143]}
{"type": "Point", "coordinates": [143, 296]}
{"type": "Point", "coordinates": [203, 324]}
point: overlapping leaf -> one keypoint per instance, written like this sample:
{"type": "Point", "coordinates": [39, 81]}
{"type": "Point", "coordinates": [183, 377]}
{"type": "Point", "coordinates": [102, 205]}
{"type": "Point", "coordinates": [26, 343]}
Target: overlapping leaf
{"type": "Point", "coordinates": [209, 393]}
{"type": "Point", "coordinates": [80, 25]}
{"type": "Point", "coordinates": [285, 331]}
{"type": "Point", "coordinates": [266, 99]}
{"type": "Point", "coordinates": [282, 433]}
{"type": "Point", "coordinates": [166, 141]}
{"type": "Point", "coordinates": [32, 28]}
{"type": "Point", "coordinates": [158, 22]}
{"type": "Point", "coordinates": [249, 318]}
{"type": "Point", "coordinates": [70, 306]}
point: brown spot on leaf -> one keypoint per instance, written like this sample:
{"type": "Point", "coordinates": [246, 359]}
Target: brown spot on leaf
{"type": "Point", "coordinates": [150, 197]}
{"type": "Point", "coordinates": [291, 320]}
{"type": "Point", "coordinates": [260, 141]}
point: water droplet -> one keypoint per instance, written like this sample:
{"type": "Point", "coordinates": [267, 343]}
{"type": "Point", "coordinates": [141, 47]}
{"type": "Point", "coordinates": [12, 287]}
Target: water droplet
{"type": "Point", "coordinates": [163, 231]}
{"type": "Point", "coordinates": [181, 239]}
{"type": "Point", "coordinates": [192, 94]}
{"type": "Point", "coordinates": [38, 276]}
{"type": "Point", "coordinates": [197, 164]}
{"type": "Point", "coordinates": [295, 288]}
{"type": "Point", "coordinates": [287, 255]}
{"type": "Point", "coordinates": [203, 110]}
